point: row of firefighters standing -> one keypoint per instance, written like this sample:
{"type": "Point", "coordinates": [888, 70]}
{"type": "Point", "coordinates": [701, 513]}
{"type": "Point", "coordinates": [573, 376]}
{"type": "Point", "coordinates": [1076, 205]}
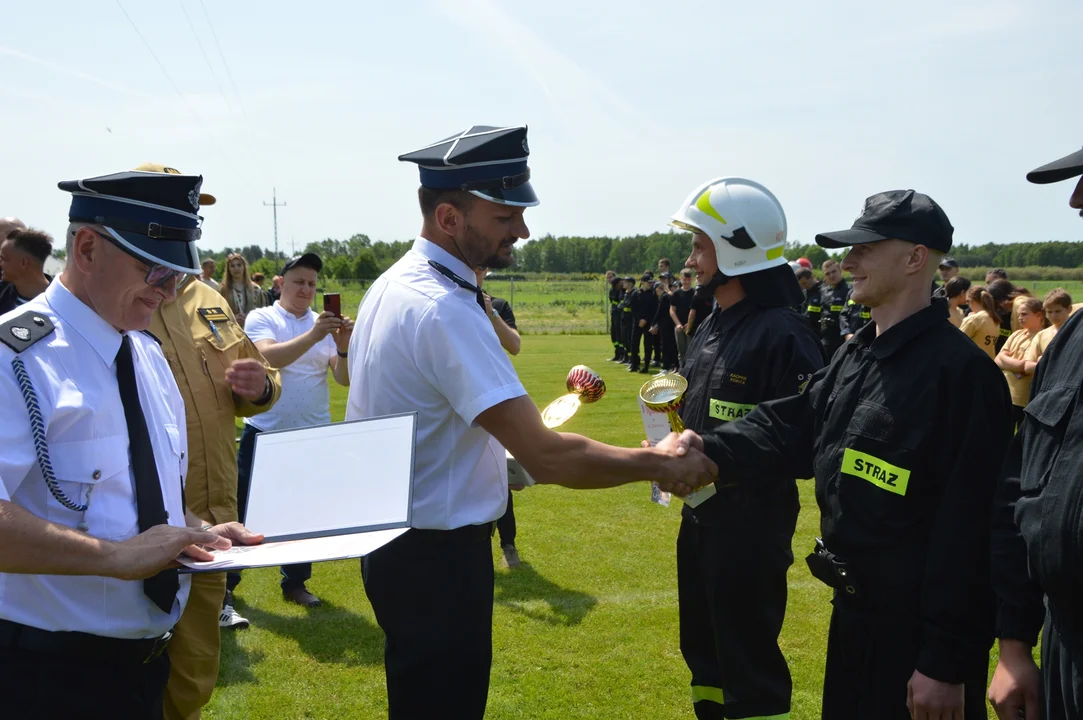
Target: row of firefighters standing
{"type": "Point", "coordinates": [828, 306]}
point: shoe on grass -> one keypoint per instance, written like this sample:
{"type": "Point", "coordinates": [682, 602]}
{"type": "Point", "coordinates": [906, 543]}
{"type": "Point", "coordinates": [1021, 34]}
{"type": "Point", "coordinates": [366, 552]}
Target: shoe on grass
{"type": "Point", "coordinates": [230, 619]}
{"type": "Point", "coordinates": [511, 556]}
{"type": "Point", "coordinates": [301, 596]}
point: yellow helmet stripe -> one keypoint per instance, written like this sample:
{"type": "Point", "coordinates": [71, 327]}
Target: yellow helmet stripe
{"type": "Point", "coordinates": [703, 204]}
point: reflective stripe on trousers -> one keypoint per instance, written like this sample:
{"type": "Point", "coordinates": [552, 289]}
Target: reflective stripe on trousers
{"type": "Point", "coordinates": [713, 694]}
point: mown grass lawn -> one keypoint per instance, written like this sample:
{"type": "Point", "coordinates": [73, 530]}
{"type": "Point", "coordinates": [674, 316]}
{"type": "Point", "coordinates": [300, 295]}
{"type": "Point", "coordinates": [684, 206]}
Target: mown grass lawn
{"type": "Point", "coordinates": [586, 629]}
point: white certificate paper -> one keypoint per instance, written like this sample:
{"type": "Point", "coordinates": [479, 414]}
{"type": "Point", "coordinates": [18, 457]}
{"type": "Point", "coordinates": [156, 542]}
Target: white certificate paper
{"type": "Point", "coordinates": [325, 493]}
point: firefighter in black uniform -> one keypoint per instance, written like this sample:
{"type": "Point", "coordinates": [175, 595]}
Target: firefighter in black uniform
{"type": "Point", "coordinates": [813, 289]}
{"type": "Point", "coordinates": [644, 305]}
{"type": "Point", "coordinates": [663, 329]}
{"type": "Point", "coordinates": [1038, 527]}
{"type": "Point", "coordinates": [854, 317]}
{"type": "Point", "coordinates": [834, 292]}
{"type": "Point", "coordinates": [734, 548]}
{"type": "Point", "coordinates": [626, 322]}
{"type": "Point", "coordinates": [615, 293]}
{"type": "Point", "coordinates": [904, 432]}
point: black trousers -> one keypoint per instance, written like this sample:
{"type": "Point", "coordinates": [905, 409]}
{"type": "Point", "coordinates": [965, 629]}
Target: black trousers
{"type": "Point", "coordinates": [293, 576]}
{"type": "Point", "coordinates": [870, 658]}
{"type": "Point", "coordinates": [626, 325]}
{"type": "Point", "coordinates": [47, 686]}
{"type": "Point", "coordinates": [668, 350]}
{"type": "Point", "coordinates": [432, 592]}
{"type": "Point", "coordinates": [731, 585]}
{"type": "Point", "coordinates": [615, 329]}
{"type": "Point", "coordinates": [641, 336]}
{"type": "Point", "coordinates": [1062, 673]}
{"type": "Point", "coordinates": [505, 526]}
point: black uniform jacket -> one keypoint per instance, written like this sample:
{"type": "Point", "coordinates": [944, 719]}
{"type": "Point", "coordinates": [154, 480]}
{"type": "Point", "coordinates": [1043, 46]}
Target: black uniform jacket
{"type": "Point", "coordinates": [740, 357]}
{"type": "Point", "coordinates": [644, 305]}
{"type": "Point", "coordinates": [1038, 528]}
{"type": "Point", "coordinates": [662, 317]}
{"type": "Point", "coordinates": [814, 306]}
{"type": "Point", "coordinates": [905, 434]}
{"type": "Point", "coordinates": [833, 301]}
{"type": "Point", "coordinates": [854, 317]}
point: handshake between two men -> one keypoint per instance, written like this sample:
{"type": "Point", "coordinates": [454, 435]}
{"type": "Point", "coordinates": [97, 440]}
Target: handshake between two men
{"type": "Point", "coordinates": [677, 463]}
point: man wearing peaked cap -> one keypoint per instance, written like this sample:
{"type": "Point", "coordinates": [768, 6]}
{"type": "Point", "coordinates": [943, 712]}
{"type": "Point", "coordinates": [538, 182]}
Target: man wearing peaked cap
{"type": "Point", "coordinates": [1038, 527]}
{"type": "Point", "coordinates": [94, 461]}
{"type": "Point", "coordinates": [423, 344]}
{"type": "Point", "coordinates": [904, 432]}
{"type": "Point", "coordinates": [221, 375]}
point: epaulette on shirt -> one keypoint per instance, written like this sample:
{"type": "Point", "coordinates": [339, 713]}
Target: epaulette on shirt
{"type": "Point", "coordinates": [152, 336]}
{"type": "Point", "coordinates": [20, 332]}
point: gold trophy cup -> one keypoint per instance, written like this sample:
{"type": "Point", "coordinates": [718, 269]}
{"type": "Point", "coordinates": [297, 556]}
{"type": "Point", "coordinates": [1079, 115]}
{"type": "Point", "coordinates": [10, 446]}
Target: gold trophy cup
{"type": "Point", "coordinates": [665, 394]}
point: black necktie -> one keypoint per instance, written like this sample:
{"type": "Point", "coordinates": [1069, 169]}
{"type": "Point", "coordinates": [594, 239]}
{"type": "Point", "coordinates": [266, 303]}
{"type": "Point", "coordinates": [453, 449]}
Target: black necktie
{"type": "Point", "coordinates": [162, 588]}
{"type": "Point", "coordinates": [465, 285]}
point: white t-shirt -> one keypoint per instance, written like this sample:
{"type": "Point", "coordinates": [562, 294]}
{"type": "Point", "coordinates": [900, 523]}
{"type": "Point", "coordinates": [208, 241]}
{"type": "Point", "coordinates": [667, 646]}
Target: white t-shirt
{"type": "Point", "coordinates": [306, 398]}
{"type": "Point", "coordinates": [422, 344]}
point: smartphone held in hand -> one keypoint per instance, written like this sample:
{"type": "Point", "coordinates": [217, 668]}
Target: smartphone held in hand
{"type": "Point", "coordinates": [332, 302]}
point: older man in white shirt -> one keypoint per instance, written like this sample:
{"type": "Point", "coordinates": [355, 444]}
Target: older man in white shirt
{"type": "Point", "coordinates": [92, 470]}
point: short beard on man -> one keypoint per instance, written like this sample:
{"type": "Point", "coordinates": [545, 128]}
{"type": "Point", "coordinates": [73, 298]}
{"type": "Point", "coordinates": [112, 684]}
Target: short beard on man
{"type": "Point", "coordinates": [494, 261]}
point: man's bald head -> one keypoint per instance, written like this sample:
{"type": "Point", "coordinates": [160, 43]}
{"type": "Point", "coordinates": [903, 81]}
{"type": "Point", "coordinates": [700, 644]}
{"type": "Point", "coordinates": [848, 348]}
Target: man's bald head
{"type": "Point", "coordinates": [8, 224]}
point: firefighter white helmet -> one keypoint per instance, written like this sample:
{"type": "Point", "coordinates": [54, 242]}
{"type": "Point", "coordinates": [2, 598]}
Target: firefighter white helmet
{"type": "Point", "coordinates": [744, 220]}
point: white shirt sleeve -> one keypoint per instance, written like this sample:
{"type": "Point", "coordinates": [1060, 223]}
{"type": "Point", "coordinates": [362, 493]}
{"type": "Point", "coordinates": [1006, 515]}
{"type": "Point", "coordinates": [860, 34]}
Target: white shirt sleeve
{"type": "Point", "coordinates": [17, 457]}
{"type": "Point", "coordinates": [259, 326]}
{"type": "Point", "coordinates": [330, 350]}
{"type": "Point", "coordinates": [461, 356]}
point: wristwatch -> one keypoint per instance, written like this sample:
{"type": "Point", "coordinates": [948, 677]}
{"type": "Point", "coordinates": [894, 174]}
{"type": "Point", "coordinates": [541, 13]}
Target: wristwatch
{"type": "Point", "coordinates": [343, 354]}
{"type": "Point", "coordinates": [494, 313]}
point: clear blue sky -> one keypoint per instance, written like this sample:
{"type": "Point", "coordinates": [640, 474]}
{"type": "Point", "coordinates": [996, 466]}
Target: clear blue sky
{"type": "Point", "coordinates": [630, 106]}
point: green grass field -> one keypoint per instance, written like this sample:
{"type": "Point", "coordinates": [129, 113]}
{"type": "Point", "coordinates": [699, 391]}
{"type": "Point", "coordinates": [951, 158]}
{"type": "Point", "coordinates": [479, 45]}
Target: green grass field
{"type": "Point", "coordinates": [586, 629]}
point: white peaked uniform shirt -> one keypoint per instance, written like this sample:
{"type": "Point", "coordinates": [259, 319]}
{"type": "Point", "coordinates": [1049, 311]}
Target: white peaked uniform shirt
{"type": "Point", "coordinates": [422, 343]}
{"type": "Point", "coordinates": [73, 371]}
{"type": "Point", "coordinates": [306, 396]}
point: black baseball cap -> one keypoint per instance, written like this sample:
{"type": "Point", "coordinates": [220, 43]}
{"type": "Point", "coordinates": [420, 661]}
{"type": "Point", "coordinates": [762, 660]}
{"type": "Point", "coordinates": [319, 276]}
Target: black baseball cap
{"type": "Point", "coordinates": [1068, 166]}
{"type": "Point", "coordinates": [899, 214]}
{"type": "Point", "coordinates": [949, 263]}
{"type": "Point", "coordinates": [308, 260]}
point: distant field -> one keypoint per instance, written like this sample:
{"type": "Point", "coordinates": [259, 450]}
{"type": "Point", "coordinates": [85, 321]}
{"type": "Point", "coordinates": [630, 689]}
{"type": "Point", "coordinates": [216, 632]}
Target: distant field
{"type": "Point", "coordinates": [541, 307]}
{"type": "Point", "coordinates": [581, 307]}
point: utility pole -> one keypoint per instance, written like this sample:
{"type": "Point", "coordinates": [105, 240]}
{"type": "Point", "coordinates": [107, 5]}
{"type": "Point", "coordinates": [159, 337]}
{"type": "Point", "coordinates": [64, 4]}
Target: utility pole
{"type": "Point", "coordinates": [274, 204]}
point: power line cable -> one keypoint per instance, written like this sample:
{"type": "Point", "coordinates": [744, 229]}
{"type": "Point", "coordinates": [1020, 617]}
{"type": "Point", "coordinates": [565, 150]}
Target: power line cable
{"type": "Point", "coordinates": [165, 72]}
{"type": "Point", "coordinates": [233, 84]}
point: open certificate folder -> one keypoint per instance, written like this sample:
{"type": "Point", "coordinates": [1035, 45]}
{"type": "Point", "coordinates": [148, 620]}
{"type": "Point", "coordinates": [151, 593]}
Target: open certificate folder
{"type": "Point", "coordinates": [325, 493]}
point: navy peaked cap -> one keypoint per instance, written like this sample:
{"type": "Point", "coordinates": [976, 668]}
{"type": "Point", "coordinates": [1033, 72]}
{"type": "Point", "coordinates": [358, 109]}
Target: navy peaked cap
{"type": "Point", "coordinates": [490, 162]}
{"type": "Point", "coordinates": [151, 216]}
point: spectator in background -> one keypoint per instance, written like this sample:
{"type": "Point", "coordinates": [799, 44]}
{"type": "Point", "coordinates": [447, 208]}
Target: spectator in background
{"type": "Point", "coordinates": [1012, 357]}
{"type": "Point", "coordinates": [302, 345]}
{"type": "Point", "coordinates": [663, 266]}
{"type": "Point", "coordinates": [644, 306]}
{"type": "Point", "coordinates": [258, 279]}
{"type": "Point", "coordinates": [210, 267]}
{"type": "Point", "coordinates": [702, 305]}
{"type": "Point", "coordinates": [663, 326]}
{"type": "Point", "coordinates": [680, 306]}
{"type": "Point", "coordinates": [1007, 297]}
{"type": "Point", "coordinates": [503, 321]}
{"type": "Point", "coordinates": [812, 288]}
{"type": "Point", "coordinates": [982, 325]}
{"type": "Point", "coordinates": [22, 261]}
{"type": "Point", "coordinates": [834, 294]}
{"type": "Point", "coordinates": [948, 269]}
{"type": "Point", "coordinates": [1058, 306]}
{"type": "Point", "coordinates": [242, 295]}
{"type": "Point", "coordinates": [275, 292]}
{"type": "Point", "coordinates": [996, 274]}
{"type": "Point", "coordinates": [955, 290]}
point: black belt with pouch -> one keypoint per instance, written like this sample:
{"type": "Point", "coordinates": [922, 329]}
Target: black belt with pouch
{"type": "Point", "coordinates": [833, 571]}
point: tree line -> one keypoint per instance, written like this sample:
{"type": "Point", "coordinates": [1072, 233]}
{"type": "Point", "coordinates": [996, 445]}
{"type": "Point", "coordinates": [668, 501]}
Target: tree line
{"type": "Point", "coordinates": [360, 258]}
